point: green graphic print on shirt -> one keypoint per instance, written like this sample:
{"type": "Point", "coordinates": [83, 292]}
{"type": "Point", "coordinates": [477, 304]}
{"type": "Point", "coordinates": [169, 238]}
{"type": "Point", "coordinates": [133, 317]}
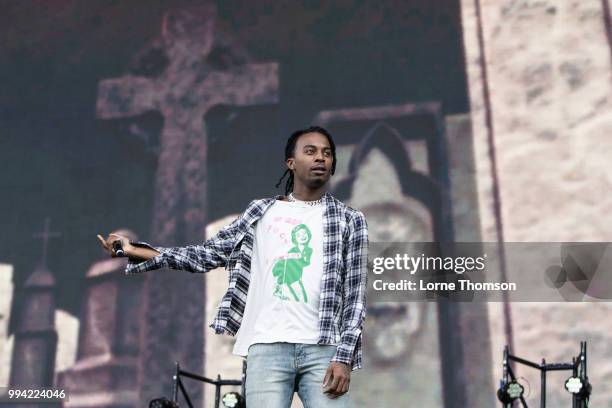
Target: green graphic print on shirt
{"type": "Point", "coordinates": [288, 269]}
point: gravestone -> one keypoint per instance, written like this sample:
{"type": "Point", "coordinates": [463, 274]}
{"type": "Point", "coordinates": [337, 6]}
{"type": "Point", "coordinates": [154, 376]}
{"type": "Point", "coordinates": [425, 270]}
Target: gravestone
{"type": "Point", "coordinates": [106, 371]}
{"type": "Point", "coordinates": [35, 338]}
{"type": "Point", "coordinates": [35, 342]}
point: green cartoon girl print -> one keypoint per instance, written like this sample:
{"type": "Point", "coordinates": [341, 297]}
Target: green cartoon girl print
{"type": "Point", "coordinates": [289, 268]}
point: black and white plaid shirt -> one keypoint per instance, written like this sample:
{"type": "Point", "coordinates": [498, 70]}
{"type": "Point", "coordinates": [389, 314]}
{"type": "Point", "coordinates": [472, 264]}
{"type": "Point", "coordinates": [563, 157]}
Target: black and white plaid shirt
{"type": "Point", "coordinates": [343, 287]}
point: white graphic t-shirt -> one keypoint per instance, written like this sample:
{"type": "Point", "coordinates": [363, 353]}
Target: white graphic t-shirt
{"type": "Point", "coordinates": [286, 271]}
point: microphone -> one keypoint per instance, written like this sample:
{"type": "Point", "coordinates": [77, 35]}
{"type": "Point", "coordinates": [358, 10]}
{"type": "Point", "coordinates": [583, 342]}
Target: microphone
{"type": "Point", "coordinates": [118, 248]}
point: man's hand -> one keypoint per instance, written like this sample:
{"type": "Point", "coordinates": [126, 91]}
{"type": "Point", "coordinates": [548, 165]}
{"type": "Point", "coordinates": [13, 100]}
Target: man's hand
{"type": "Point", "coordinates": [337, 379]}
{"type": "Point", "coordinates": [108, 244]}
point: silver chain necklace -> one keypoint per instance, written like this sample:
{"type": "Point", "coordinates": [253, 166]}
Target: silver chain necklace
{"type": "Point", "coordinates": [295, 200]}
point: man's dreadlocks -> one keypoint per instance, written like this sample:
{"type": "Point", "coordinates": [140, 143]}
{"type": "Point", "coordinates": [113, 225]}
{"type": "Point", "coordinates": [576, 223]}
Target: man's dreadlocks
{"type": "Point", "coordinates": [290, 150]}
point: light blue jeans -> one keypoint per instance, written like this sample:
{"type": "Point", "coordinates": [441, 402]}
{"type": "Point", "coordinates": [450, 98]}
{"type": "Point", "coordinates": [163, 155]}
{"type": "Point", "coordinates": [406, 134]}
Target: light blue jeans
{"type": "Point", "coordinates": [276, 370]}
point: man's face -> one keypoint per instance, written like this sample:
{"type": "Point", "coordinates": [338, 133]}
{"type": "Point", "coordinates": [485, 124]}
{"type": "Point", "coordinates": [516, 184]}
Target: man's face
{"type": "Point", "coordinates": [312, 160]}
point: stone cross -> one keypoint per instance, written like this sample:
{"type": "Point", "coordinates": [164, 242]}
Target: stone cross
{"type": "Point", "coordinates": [183, 94]}
{"type": "Point", "coordinates": [204, 69]}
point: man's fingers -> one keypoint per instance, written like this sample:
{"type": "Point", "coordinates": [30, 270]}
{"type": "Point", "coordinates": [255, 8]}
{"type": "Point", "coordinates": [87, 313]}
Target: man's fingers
{"type": "Point", "coordinates": [337, 391]}
{"type": "Point", "coordinates": [338, 379]}
{"type": "Point", "coordinates": [340, 387]}
{"type": "Point", "coordinates": [327, 377]}
{"type": "Point", "coordinates": [334, 385]}
{"type": "Point", "coordinates": [333, 392]}
{"type": "Point", "coordinates": [114, 237]}
{"type": "Point", "coordinates": [345, 387]}
{"type": "Point", "coordinates": [102, 241]}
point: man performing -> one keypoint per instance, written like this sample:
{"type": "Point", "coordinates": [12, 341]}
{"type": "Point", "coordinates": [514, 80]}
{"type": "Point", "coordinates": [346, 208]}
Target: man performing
{"type": "Point", "coordinates": [297, 281]}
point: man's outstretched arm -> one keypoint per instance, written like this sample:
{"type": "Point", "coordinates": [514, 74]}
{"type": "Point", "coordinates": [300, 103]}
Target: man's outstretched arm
{"type": "Point", "coordinates": [211, 254]}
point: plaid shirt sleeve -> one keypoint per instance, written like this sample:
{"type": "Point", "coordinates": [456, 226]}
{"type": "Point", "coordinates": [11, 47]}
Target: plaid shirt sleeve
{"type": "Point", "coordinates": [354, 300]}
{"type": "Point", "coordinates": [211, 254]}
